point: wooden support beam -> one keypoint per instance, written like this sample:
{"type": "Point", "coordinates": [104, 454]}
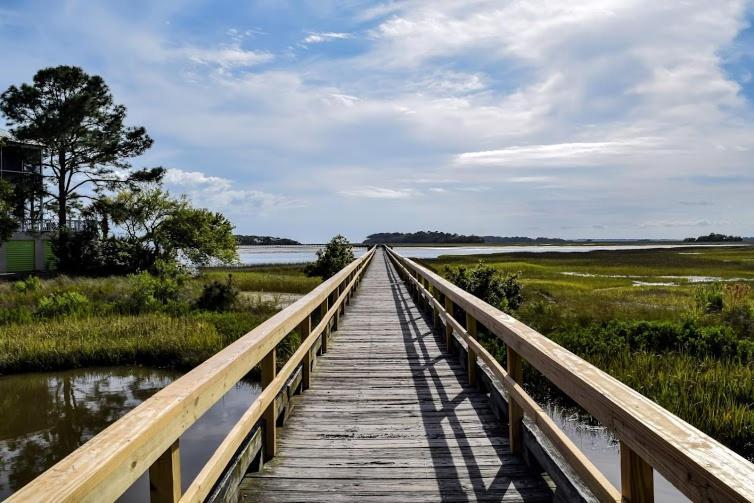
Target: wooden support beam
{"type": "Point", "coordinates": [165, 477]}
{"type": "Point", "coordinates": [515, 412]}
{"type": "Point", "coordinates": [323, 308]}
{"type": "Point", "coordinates": [470, 354]}
{"type": "Point", "coordinates": [435, 311]}
{"type": "Point", "coordinates": [337, 311]}
{"type": "Point", "coordinates": [269, 370]}
{"type": "Point", "coordinates": [636, 477]}
{"type": "Point", "coordinates": [304, 329]}
{"type": "Point", "coordinates": [448, 327]}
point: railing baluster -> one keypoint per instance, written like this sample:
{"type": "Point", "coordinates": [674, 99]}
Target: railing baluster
{"type": "Point", "coordinates": [165, 477]}
{"type": "Point", "coordinates": [449, 307]}
{"type": "Point", "coordinates": [470, 354]}
{"type": "Point", "coordinates": [323, 308]}
{"type": "Point", "coordinates": [269, 370]}
{"type": "Point", "coordinates": [636, 477]}
{"type": "Point", "coordinates": [304, 329]}
{"type": "Point", "coordinates": [515, 413]}
{"type": "Point", "coordinates": [435, 311]}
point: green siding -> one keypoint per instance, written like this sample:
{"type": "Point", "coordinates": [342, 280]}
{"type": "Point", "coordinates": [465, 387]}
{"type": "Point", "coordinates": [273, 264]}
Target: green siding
{"type": "Point", "coordinates": [50, 259]}
{"type": "Point", "coordinates": [19, 256]}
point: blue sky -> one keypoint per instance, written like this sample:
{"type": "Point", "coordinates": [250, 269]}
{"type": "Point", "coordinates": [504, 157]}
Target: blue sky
{"type": "Point", "coordinates": [594, 118]}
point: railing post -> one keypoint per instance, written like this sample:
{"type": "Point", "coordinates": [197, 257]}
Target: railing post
{"type": "Point", "coordinates": [435, 311]}
{"type": "Point", "coordinates": [636, 477]}
{"type": "Point", "coordinates": [515, 413]}
{"type": "Point", "coordinates": [323, 308]}
{"type": "Point", "coordinates": [270, 434]}
{"type": "Point", "coordinates": [470, 354]}
{"type": "Point", "coordinates": [449, 307]}
{"type": "Point", "coordinates": [337, 311]}
{"type": "Point", "coordinates": [165, 477]}
{"type": "Point", "coordinates": [304, 329]}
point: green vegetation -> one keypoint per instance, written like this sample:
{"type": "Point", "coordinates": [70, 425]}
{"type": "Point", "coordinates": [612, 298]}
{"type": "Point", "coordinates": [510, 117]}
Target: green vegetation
{"type": "Point", "coordinates": [87, 145]}
{"type": "Point", "coordinates": [675, 324]}
{"type": "Point", "coordinates": [166, 319]}
{"type": "Point", "coordinates": [714, 237]}
{"type": "Point", "coordinates": [276, 278]}
{"type": "Point", "coordinates": [420, 237]}
{"type": "Point", "coordinates": [336, 254]}
{"type": "Point", "coordinates": [263, 240]}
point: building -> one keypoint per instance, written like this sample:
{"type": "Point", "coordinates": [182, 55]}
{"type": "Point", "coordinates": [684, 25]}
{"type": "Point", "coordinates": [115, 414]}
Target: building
{"type": "Point", "coordinates": [29, 248]}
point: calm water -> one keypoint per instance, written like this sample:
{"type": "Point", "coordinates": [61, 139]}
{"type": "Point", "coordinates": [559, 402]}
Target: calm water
{"type": "Point", "coordinates": [55, 412]}
{"type": "Point", "coordinates": [255, 255]}
{"type": "Point", "coordinates": [46, 415]}
{"type": "Point", "coordinates": [603, 450]}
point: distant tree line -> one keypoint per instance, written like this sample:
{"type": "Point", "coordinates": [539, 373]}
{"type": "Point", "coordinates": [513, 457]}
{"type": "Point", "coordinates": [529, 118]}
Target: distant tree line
{"type": "Point", "coordinates": [420, 237]}
{"type": "Point", "coordinates": [263, 240]}
{"type": "Point", "coordinates": [713, 237]}
{"type": "Point", "coordinates": [521, 240]}
{"type": "Point", "coordinates": [436, 237]}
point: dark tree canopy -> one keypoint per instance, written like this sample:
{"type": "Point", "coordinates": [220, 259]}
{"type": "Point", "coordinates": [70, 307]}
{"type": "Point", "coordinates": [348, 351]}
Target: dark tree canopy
{"type": "Point", "coordinates": [8, 224]}
{"type": "Point", "coordinates": [87, 146]}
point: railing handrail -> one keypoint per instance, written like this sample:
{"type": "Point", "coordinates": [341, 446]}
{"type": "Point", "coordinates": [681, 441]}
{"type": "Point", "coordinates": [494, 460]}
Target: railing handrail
{"type": "Point", "coordinates": [104, 467]}
{"type": "Point", "coordinates": [698, 465]}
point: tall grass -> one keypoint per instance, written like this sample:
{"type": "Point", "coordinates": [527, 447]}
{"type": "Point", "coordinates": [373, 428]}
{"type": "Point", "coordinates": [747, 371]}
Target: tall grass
{"type": "Point", "coordinates": [285, 281]}
{"type": "Point", "coordinates": [688, 347]}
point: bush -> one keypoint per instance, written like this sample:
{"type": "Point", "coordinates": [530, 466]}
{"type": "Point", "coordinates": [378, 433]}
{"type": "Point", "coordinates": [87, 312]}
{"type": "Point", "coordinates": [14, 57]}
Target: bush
{"type": "Point", "coordinates": [709, 298]}
{"type": "Point", "coordinates": [62, 304]}
{"type": "Point", "coordinates": [218, 296]}
{"type": "Point", "coordinates": [495, 287]}
{"type": "Point", "coordinates": [336, 254]}
{"type": "Point", "coordinates": [30, 284]}
{"type": "Point", "coordinates": [616, 337]}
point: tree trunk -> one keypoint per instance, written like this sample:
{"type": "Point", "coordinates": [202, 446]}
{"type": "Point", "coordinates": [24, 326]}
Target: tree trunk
{"type": "Point", "coordinates": [62, 196]}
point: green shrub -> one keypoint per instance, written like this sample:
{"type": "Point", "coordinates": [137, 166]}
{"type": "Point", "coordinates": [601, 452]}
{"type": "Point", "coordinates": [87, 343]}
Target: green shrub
{"type": "Point", "coordinates": [217, 296]}
{"type": "Point", "coordinates": [709, 298]}
{"type": "Point", "coordinates": [493, 286]}
{"type": "Point", "coordinates": [154, 292]}
{"type": "Point", "coordinates": [336, 254]}
{"type": "Point", "coordinates": [62, 304]}
{"type": "Point", "coordinates": [30, 284]}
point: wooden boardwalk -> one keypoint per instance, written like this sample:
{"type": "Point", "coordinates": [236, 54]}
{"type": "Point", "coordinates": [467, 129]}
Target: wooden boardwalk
{"type": "Point", "coordinates": [389, 417]}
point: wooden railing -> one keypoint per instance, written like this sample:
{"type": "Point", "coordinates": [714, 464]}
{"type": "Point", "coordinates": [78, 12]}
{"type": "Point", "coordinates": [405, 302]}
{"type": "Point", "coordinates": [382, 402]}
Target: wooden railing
{"type": "Point", "coordinates": [650, 436]}
{"type": "Point", "coordinates": [147, 438]}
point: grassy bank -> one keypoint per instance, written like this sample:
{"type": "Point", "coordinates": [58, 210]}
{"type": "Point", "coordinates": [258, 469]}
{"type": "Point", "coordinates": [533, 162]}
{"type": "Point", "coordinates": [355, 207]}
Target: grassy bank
{"type": "Point", "coordinates": [63, 322]}
{"type": "Point", "coordinates": [675, 324]}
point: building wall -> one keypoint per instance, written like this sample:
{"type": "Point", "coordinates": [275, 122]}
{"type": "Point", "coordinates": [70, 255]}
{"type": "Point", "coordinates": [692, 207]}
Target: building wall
{"type": "Point", "coordinates": [40, 252]}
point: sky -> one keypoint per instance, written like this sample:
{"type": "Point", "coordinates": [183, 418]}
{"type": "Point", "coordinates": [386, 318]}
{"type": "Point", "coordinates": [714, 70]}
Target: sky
{"type": "Point", "coordinates": [579, 119]}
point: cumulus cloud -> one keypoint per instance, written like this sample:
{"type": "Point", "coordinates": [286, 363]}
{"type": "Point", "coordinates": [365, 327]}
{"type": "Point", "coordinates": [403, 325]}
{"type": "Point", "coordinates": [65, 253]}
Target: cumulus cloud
{"type": "Point", "coordinates": [590, 107]}
{"type": "Point", "coordinates": [218, 193]}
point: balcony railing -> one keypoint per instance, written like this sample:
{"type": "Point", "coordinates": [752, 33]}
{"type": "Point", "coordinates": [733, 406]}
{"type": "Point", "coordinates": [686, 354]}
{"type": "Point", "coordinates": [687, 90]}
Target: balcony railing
{"type": "Point", "coordinates": [50, 225]}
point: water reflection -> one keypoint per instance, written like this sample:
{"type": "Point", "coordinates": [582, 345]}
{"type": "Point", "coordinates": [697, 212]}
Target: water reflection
{"type": "Point", "coordinates": [47, 415]}
{"type": "Point", "coordinates": [602, 449]}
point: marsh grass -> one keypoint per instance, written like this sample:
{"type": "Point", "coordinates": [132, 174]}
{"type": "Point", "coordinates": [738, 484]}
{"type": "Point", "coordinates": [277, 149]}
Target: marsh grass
{"type": "Point", "coordinates": [705, 375]}
{"type": "Point", "coordinates": [66, 322]}
{"type": "Point", "coordinates": [282, 279]}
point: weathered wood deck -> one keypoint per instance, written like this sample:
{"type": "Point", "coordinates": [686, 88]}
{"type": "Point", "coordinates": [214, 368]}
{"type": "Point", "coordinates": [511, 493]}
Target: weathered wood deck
{"type": "Point", "coordinates": [390, 417]}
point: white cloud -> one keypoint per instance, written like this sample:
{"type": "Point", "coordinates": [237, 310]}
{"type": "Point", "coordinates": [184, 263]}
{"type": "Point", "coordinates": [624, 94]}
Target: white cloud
{"type": "Point", "coordinates": [370, 192]}
{"type": "Point", "coordinates": [577, 154]}
{"type": "Point", "coordinates": [221, 194]}
{"type": "Point", "coordinates": [228, 57]}
{"type": "Point", "coordinates": [318, 38]}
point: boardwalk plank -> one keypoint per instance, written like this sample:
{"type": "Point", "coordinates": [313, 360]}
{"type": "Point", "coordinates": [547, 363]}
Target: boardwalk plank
{"type": "Point", "coordinates": [390, 418]}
